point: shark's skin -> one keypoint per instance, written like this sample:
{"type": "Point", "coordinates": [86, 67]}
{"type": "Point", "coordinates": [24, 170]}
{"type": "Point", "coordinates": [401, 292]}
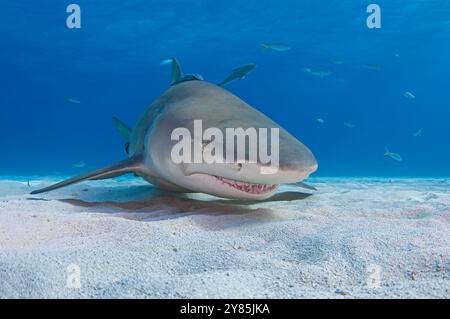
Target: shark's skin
{"type": "Point", "coordinates": [150, 146]}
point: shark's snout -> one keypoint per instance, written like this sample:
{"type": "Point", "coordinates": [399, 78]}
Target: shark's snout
{"type": "Point", "coordinates": [296, 161]}
{"type": "Point", "coordinates": [297, 165]}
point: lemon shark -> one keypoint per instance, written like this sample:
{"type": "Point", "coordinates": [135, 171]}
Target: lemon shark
{"type": "Point", "coordinates": [190, 98]}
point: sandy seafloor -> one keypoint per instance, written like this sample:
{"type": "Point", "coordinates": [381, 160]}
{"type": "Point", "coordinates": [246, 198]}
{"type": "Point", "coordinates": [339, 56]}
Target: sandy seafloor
{"type": "Point", "coordinates": [354, 238]}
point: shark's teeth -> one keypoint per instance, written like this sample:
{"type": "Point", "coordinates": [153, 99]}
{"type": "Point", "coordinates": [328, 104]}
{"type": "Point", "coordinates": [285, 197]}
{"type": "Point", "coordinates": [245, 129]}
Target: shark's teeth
{"type": "Point", "coordinates": [248, 187]}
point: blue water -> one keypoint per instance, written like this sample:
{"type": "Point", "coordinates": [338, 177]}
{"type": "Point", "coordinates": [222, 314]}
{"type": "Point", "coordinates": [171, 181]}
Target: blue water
{"type": "Point", "coordinates": [112, 65]}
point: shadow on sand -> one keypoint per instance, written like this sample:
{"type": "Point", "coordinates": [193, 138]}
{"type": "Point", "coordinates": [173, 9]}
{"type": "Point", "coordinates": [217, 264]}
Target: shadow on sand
{"type": "Point", "coordinates": [146, 203]}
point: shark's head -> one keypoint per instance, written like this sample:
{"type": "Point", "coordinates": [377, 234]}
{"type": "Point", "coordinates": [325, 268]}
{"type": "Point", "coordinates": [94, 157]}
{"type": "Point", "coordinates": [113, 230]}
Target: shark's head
{"type": "Point", "coordinates": [177, 132]}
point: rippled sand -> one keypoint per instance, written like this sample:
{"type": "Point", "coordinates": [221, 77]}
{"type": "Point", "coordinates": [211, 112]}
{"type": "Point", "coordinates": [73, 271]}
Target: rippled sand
{"type": "Point", "coordinates": [354, 238]}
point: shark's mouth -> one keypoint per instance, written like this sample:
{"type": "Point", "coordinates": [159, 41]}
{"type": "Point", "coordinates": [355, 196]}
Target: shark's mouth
{"type": "Point", "coordinates": [256, 189]}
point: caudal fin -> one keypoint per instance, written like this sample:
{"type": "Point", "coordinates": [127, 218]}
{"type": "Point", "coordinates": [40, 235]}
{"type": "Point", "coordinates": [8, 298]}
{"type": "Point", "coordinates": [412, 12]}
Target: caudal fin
{"type": "Point", "coordinates": [128, 166]}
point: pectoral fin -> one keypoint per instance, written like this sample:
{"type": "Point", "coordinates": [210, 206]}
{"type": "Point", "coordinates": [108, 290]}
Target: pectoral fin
{"type": "Point", "coordinates": [128, 166]}
{"type": "Point", "coordinates": [305, 186]}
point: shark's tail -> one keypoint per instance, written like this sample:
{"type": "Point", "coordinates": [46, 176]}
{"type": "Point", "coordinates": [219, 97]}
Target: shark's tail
{"type": "Point", "coordinates": [128, 166]}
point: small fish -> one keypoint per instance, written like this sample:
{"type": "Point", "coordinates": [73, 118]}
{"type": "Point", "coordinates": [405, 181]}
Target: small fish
{"type": "Point", "coordinates": [319, 73]}
{"type": "Point", "coordinates": [79, 164]}
{"type": "Point", "coordinates": [342, 292]}
{"type": "Point", "coordinates": [397, 55]}
{"type": "Point", "coordinates": [73, 100]}
{"type": "Point", "coordinates": [28, 184]}
{"type": "Point", "coordinates": [349, 125]}
{"type": "Point", "coordinates": [409, 95]}
{"type": "Point", "coordinates": [238, 74]}
{"type": "Point", "coordinates": [166, 62]}
{"type": "Point", "coordinates": [372, 66]}
{"type": "Point", "coordinates": [276, 46]}
{"type": "Point", "coordinates": [394, 156]}
{"type": "Point", "coordinates": [422, 215]}
{"type": "Point", "coordinates": [337, 62]}
{"type": "Point", "coordinates": [418, 133]}
{"type": "Point", "coordinates": [319, 120]}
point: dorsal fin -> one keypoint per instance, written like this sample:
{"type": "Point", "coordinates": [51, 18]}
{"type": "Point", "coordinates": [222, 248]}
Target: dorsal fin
{"type": "Point", "coordinates": [177, 73]}
{"type": "Point", "coordinates": [128, 166]}
{"type": "Point", "coordinates": [122, 128]}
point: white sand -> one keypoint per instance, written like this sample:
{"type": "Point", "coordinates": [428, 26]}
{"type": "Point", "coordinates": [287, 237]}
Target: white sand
{"type": "Point", "coordinates": [355, 238]}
